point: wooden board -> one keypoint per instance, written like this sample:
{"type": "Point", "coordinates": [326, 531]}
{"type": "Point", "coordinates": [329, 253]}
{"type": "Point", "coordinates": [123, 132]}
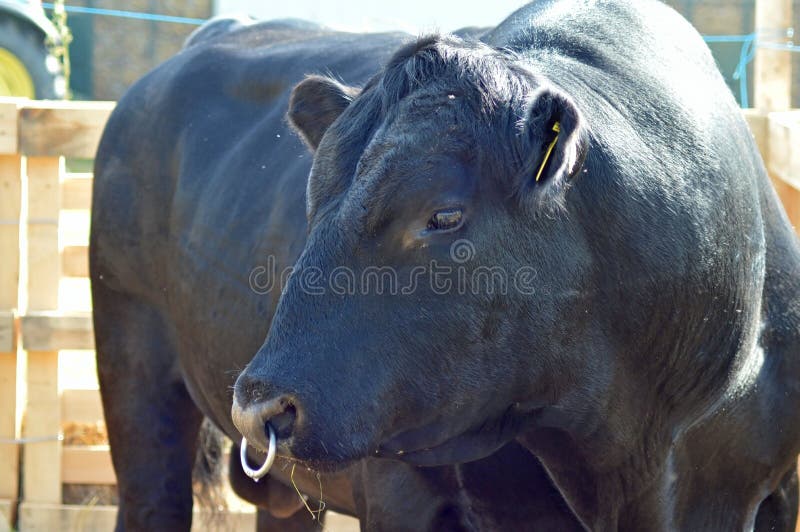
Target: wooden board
{"type": "Point", "coordinates": [8, 124]}
{"type": "Point", "coordinates": [10, 207]}
{"type": "Point", "coordinates": [81, 406]}
{"type": "Point", "coordinates": [7, 507]}
{"type": "Point", "coordinates": [75, 261]}
{"type": "Point", "coordinates": [71, 129]}
{"type": "Point", "coordinates": [790, 197]}
{"type": "Point", "coordinates": [42, 228]}
{"type": "Point", "coordinates": [42, 460]}
{"type": "Point", "coordinates": [9, 453]}
{"type": "Point", "coordinates": [783, 159]}
{"type": "Point", "coordinates": [87, 464]}
{"type": "Point", "coordinates": [50, 517]}
{"type": "Point", "coordinates": [45, 331]}
{"type": "Point", "coordinates": [772, 69]}
{"type": "Point", "coordinates": [8, 333]}
{"type": "Point", "coordinates": [759, 127]}
{"type": "Point", "coordinates": [35, 517]}
{"type": "Point", "coordinates": [777, 156]}
{"type": "Point", "coordinates": [76, 191]}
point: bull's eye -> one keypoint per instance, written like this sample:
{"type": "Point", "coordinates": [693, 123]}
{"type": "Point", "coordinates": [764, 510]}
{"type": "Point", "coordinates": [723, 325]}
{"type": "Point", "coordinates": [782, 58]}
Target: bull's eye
{"type": "Point", "coordinates": [446, 219]}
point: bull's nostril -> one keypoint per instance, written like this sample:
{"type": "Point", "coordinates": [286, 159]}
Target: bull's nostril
{"type": "Point", "coordinates": [283, 423]}
{"type": "Point", "coordinates": [254, 419]}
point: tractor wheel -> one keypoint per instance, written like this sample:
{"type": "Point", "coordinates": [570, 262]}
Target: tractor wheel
{"type": "Point", "coordinates": [27, 68]}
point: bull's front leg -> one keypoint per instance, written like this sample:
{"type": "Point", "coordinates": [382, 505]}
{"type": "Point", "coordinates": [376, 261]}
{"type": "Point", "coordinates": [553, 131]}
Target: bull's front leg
{"type": "Point", "coordinates": [778, 512]}
{"type": "Point", "coordinates": [152, 422]}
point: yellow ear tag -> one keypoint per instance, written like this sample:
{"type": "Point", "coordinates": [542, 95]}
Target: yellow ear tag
{"type": "Point", "coordinates": [557, 129]}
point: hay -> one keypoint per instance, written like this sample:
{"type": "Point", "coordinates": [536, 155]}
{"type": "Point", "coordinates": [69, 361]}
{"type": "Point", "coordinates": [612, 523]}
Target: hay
{"type": "Point", "coordinates": [85, 433]}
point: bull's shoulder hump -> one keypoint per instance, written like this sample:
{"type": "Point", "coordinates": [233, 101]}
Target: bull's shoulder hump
{"type": "Point", "coordinates": [636, 33]}
{"type": "Point", "coordinates": [245, 30]}
{"type": "Point", "coordinates": [216, 27]}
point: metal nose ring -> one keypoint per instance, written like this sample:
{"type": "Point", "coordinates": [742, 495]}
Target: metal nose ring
{"type": "Point", "coordinates": [257, 474]}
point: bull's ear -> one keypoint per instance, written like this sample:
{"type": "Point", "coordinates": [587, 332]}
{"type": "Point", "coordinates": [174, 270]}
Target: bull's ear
{"type": "Point", "coordinates": [555, 142]}
{"type": "Point", "coordinates": [315, 103]}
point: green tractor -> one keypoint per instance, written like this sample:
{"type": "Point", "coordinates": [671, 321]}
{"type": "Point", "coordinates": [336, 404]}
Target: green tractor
{"type": "Point", "coordinates": [28, 67]}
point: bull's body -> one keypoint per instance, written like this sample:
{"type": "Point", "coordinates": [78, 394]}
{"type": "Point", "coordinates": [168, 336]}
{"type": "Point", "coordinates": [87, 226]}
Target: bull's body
{"type": "Point", "coordinates": [654, 372]}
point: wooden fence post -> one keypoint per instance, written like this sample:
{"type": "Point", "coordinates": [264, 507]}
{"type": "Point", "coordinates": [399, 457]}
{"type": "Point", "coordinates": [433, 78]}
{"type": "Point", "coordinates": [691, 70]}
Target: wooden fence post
{"type": "Point", "coordinates": [42, 459]}
{"type": "Point", "coordinates": [772, 88]}
{"type": "Point", "coordinates": [10, 206]}
{"type": "Point", "coordinates": [772, 69]}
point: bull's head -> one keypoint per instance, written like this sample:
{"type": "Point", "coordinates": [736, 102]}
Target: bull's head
{"type": "Point", "coordinates": [432, 313]}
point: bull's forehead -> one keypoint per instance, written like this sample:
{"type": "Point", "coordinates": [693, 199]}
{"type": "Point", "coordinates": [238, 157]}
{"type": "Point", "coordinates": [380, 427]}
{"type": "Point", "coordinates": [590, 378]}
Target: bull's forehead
{"type": "Point", "coordinates": [420, 116]}
{"type": "Point", "coordinates": [423, 138]}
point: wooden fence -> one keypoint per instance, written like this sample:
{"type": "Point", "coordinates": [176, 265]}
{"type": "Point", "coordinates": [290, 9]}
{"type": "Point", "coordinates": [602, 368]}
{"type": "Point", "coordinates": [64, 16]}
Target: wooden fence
{"type": "Point", "coordinates": [35, 192]}
{"type": "Point", "coordinates": [35, 139]}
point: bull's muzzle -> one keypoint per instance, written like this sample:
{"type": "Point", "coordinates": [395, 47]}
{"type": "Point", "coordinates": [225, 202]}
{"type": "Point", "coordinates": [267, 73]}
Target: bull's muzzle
{"type": "Point", "coordinates": [262, 422]}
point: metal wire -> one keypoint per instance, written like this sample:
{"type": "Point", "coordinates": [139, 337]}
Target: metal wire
{"type": "Point", "coordinates": [31, 439]}
{"type": "Point", "coordinates": [137, 15]}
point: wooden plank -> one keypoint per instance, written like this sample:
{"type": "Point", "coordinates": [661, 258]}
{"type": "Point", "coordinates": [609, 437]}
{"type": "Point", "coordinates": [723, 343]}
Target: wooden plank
{"type": "Point", "coordinates": [340, 523]}
{"type": "Point", "coordinates": [772, 69]}
{"type": "Point", "coordinates": [790, 197]}
{"type": "Point", "coordinates": [75, 261]}
{"type": "Point", "coordinates": [9, 453]}
{"type": "Point", "coordinates": [235, 521]}
{"type": "Point", "coordinates": [87, 464]}
{"type": "Point", "coordinates": [71, 129]}
{"type": "Point", "coordinates": [46, 331]}
{"type": "Point", "coordinates": [8, 336]}
{"type": "Point", "coordinates": [76, 191]}
{"type": "Point", "coordinates": [759, 127]}
{"type": "Point", "coordinates": [43, 209]}
{"type": "Point", "coordinates": [7, 510]}
{"type": "Point", "coordinates": [10, 207]}
{"type": "Point", "coordinates": [81, 406]}
{"type": "Point", "coordinates": [49, 517]}
{"type": "Point", "coordinates": [783, 160]}
{"type": "Point", "coordinates": [9, 111]}
{"type": "Point", "coordinates": [778, 154]}
{"type": "Point", "coordinates": [791, 201]}
{"type": "Point", "coordinates": [42, 459]}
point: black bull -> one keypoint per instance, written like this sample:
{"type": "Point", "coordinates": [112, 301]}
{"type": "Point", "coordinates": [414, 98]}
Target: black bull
{"type": "Point", "coordinates": [634, 329]}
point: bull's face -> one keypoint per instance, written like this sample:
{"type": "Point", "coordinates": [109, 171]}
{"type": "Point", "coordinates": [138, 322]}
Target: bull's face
{"type": "Point", "coordinates": [425, 319]}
